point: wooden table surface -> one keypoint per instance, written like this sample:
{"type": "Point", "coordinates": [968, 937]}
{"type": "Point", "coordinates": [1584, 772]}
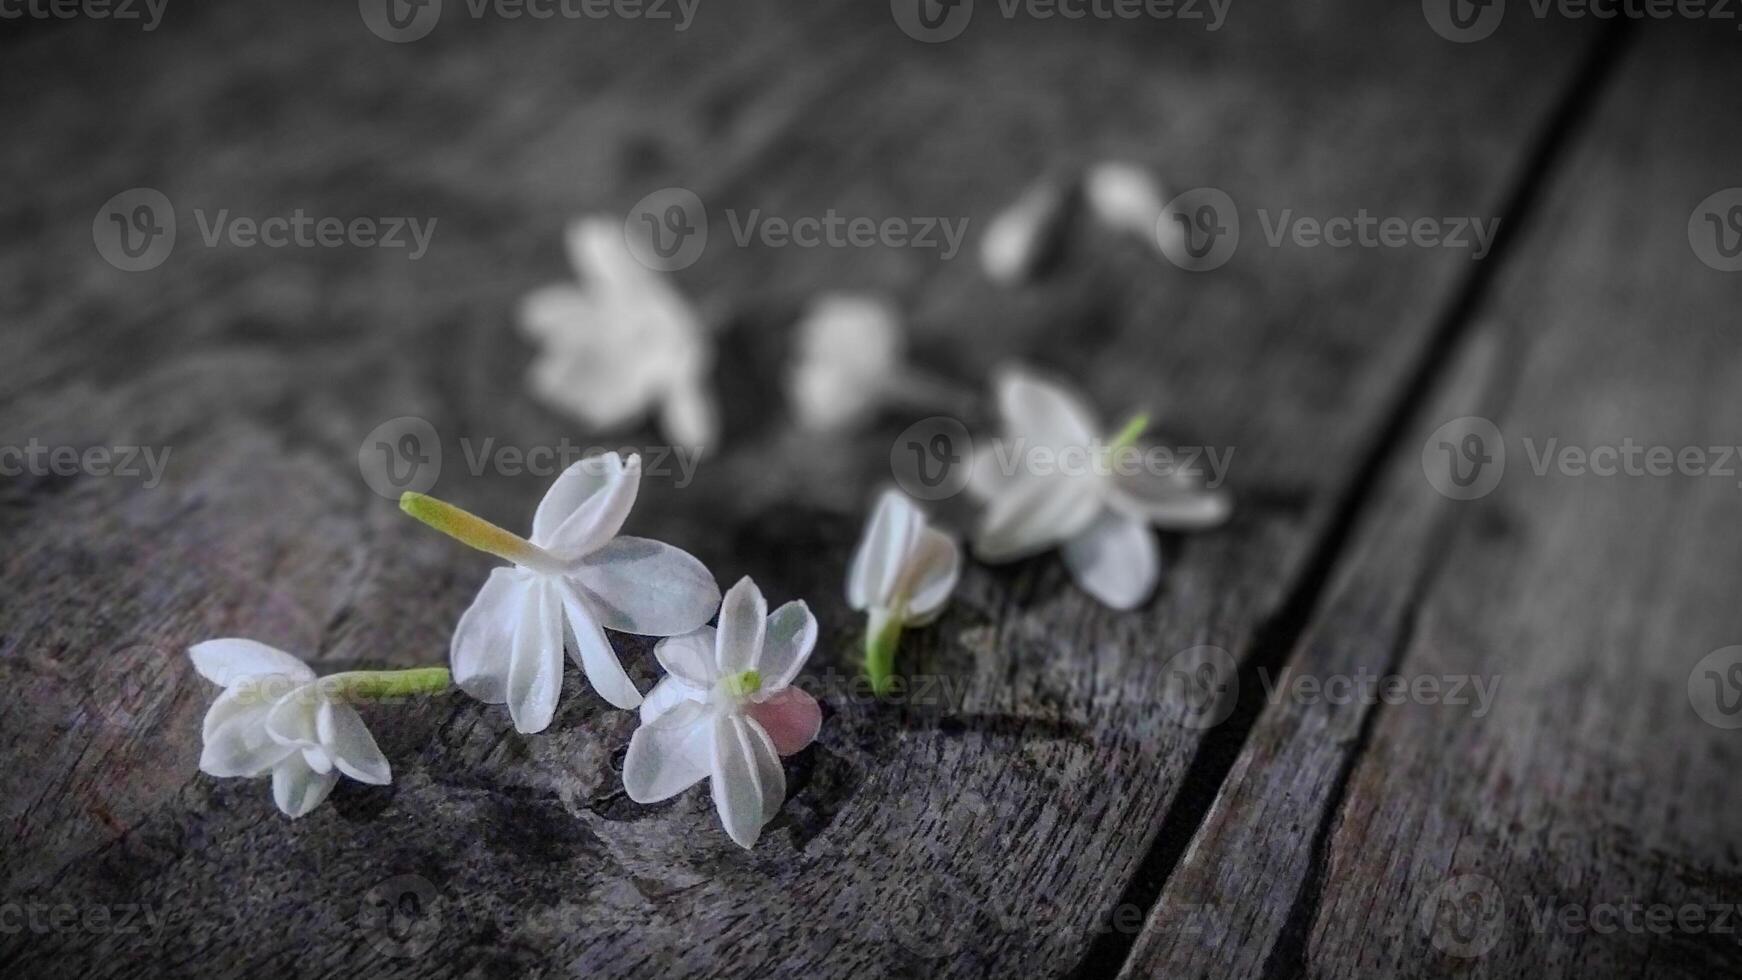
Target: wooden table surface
{"type": "Point", "coordinates": [1061, 804]}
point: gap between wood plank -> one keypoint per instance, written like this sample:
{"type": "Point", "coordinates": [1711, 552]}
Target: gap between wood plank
{"type": "Point", "coordinates": [1275, 639]}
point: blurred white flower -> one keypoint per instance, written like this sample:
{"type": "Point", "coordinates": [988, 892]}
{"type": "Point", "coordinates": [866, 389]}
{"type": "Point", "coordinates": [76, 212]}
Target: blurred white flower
{"type": "Point", "coordinates": [276, 717]}
{"type": "Point", "coordinates": [574, 579]}
{"type": "Point", "coordinates": [1128, 198]}
{"type": "Point", "coordinates": [1085, 500]}
{"type": "Point", "coordinates": [902, 575]}
{"type": "Point", "coordinates": [1017, 239]}
{"type": "Point", "coordinates": [728, 712]}
{"type": "Point", "coordinates": [850, 351]}
{"type": "Point", "coordinates": [621, 343]}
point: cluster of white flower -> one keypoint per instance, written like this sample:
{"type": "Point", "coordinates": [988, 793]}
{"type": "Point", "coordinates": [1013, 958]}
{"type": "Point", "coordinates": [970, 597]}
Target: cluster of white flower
{"type": "Point", "coordinates": [728, 710]}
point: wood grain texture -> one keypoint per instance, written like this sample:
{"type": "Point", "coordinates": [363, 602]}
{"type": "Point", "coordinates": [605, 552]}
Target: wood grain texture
{"type": "Point", "coordinates": [1531, 832]}
{"type": "Point", "coordinates": [994, 828]}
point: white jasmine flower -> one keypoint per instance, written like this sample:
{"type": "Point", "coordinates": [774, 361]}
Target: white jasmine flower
{"type": "Point", "coordinates": [1016, 242]}
{"type": "Point", "coordinates": [902, 575]}
{"type": "Point", "coordinates": [728, 712]}
{"type": "Point", "coordinates": [573, 580]}
{"type": "Point", "coordinates": [275, 716]}
{"type": "Point", "coordinates": [849, 350]}
{"type": "Point", "coordinates": [1057, 483]}
{"type": "Point", "coordinates": [621, 343]}
{"type": "Point", "coordinates": [1126, 197]}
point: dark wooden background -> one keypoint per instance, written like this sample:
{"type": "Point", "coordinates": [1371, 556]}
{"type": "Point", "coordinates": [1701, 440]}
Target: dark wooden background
{"type": "Point", "coordinates": [1058, 818]}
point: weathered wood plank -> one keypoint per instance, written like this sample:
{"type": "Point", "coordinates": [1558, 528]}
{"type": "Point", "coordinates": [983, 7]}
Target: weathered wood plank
{"type": "Point", "coordinates": [1428, 836]}
{"type": "Point", "coordinates": [994, 831]}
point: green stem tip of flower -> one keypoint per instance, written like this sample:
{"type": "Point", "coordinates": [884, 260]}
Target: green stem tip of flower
{"type": "Point", "coordinates": [468, 529]}
{"type": "Point", "coordinates": [1132, 431]}
{"type": "Point", "coordinates": [881, 639]}
{"type": "Point", "coordinates": [372, 685]}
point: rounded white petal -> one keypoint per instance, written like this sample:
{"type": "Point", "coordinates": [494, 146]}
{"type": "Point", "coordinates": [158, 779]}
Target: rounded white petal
{"type": "Point", "coordinates": [297, 789]}
{"type": "Point", "coordinates": [1170, 501]}
{"type": "Point", "coordinates": [689, 416]}
{"type": "Point", "coordinates": [1124, 197]}
{"type": "Point", "coordinates": [1016, 240]}
{"type": "Point", "coordinates": [346, 740]}
{"type": "Point", "coordinates": [667, 758]}
{"type": "Point", "coordinates": [848, 349]}
{"type": "Point", "coordinates": [592, 384]}
{"type": "Point", "coordinates": [591, 651]}
{"type": "Point", "coordinates": [645, 587]}
{"type": "Point", "coordinates": [557, 314]}
{"type": "Point", "coordinates": [1042, 411]}
{"type": "Point", "coordinates": [743, 618]}
{"type": "Point", "coordinates": [1116, 560]}
{"type": "Point", "coordinates": [790, 636]}
{"type": "Point", "coordinates": [740, 778]}
{"type": "Point", "coordinates": [668, 694]}
{"type": "Point", "coordinates": [889, 538]}
{"type": "Point", "coordinates": [770, 775]}
{"type": "Point", "coordinates": [238, 745]}
{"type": "Point", "coordinates": [1035, 514]}
{"type": "Point", "coordinates": [291, 721]}
{"type": "Point", "coordinates": [933, 570]}
{"type": "Point", "coordinates": [228, 661]}
{"type": "Point", "coordinates": [587, 505]}
{"type": "Point", "coordinates": [535, 671]}
{"type": "Point", "coordinates": [483, 645]}
{"type": "Point", "coordinates": [690, 657]}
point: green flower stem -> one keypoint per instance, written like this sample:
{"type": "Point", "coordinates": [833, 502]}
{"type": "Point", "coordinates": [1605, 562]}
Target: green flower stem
{"type": "Point", "coordinates": [882, 636]}
{"type": "Point", "coordinates": [1132, 431]}
{"type": "Point", "coordinates": [373, 685]}
{"type": "Point", "coordinates": [473, 531]}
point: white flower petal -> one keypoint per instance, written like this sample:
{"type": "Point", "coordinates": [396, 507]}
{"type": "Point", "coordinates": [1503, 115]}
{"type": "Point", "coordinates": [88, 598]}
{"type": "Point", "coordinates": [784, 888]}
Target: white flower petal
{"type": "Point", "coordinates": [668, 694]}
{"type": "Point", "coordinates": [1043, 412]}
{"type": "Point", "coordinates": [689, 416]}
{"type": "Point", "coordinates": [790, 635]}
{"type": "Point", "coordinates": [239, 745]}
{"type": "Point", "coordinates": [770, 776]}
{"type": "Point", "coordinates": [1116, 560]}
{"type": "Point", "coordinates": [346, 740]}
{"type": "Point", "coordinates": [1016, 240]}
{"type": "Point", "coordinates": [1124, 197]}
{"type": "Point", "coordinates": [229, 661]}
{"type": "Point", "coordinates": [890, 536]}
{"type": "Point", "coordinates": [592, 385]}
{"type": "Point", "coordinates": [690, 657]}
{"type": "Point", "coordinates": [587, 505]}
{"type": "Point", "coordinates": [736, 782]}
{"type": "Point", "coordinates": [591, 651]}
{"type": "Point", "coordinates": [1035, 514]}
{"type": "Point", "coordinates": [743, 615]}
{"type": "Point", "coordinates": [933, 570]}
{"type": "Point", "coordinates": [292, 718]}
{"type": "Point", "coordinates": [483, 646]}
{"type": "Point", "coordinates": [555, 314]}
{"type": "Point", "coordinates": [297, 789]}
{"type": "Point", "coordinates": [645, 587]}
{"type": "Point", "coordinates": [849, 347]}
{"type": "Point", "coordinates": [535, 671]}
{"type": "Point", "coordinates": [1170, 501]}
{"type": "Point", "coordinates": [666, 759]}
